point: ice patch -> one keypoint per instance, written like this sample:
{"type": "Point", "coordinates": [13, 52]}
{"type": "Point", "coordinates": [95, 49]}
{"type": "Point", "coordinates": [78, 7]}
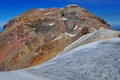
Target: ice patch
{"type": "Point", "coordinates": [71, 35]}
{"type": "Point", "coordinates": [59, 37]}
{"type": "Point", "coordinates": [76, 26]}
{"type": "Point", "coordinates": [51, 24]}
{"type": "Point", "coordinates": [64, 19]}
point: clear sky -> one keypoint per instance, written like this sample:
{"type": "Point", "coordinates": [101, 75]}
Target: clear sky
{"type": "Point", "coordinates": [106, 9]}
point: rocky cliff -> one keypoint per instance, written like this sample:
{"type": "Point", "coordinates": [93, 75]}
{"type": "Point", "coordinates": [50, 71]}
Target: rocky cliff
{"type": "Point", "coordinates": [40, 34]}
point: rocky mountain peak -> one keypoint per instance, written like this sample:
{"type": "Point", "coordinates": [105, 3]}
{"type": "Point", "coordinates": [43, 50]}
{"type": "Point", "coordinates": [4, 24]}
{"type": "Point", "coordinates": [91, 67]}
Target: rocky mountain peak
{"type": "Point", "coordinates": [40, 34]}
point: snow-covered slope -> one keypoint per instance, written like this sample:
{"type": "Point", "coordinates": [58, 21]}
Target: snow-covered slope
{"type": "Point", "coordinates": [96, 35]}
{"type": "Point", "coordinates": [99, 60]}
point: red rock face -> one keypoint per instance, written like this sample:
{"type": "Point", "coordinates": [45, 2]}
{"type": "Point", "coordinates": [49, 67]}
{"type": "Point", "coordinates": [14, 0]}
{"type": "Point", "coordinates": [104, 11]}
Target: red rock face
{"type": "Point", "coordinates": [40, 34]}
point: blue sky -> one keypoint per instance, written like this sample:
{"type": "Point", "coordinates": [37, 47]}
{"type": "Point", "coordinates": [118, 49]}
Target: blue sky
{"type": "Point", "coordinates": [106, 9]}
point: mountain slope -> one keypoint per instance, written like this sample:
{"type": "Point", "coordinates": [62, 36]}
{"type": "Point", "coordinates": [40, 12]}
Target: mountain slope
{"type": "Point", "coordinates": [40, 34]}
{"type": "Point", "coordinates": [94, 61]}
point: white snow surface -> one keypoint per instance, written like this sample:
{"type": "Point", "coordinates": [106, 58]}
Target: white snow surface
{"type": "Point", "coordinates": [64, 19]}
{"type": "Point", "coordinates": [76, 26]}
{"type": "Point", "coordinates": [69, 34]}
{"type": "Point", "coordinates": [51, 24]}
{"type": "Point", "coordinates": [59, 37]}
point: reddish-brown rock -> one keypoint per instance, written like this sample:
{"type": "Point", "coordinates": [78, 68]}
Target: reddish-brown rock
{"type": "Point", "coordinates": [40, 34]}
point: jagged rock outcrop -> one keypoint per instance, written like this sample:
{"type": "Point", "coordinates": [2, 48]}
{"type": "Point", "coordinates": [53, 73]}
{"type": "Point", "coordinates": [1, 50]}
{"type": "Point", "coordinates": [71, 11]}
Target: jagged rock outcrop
{"type": "Point", "coordinates": [40, 34]}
